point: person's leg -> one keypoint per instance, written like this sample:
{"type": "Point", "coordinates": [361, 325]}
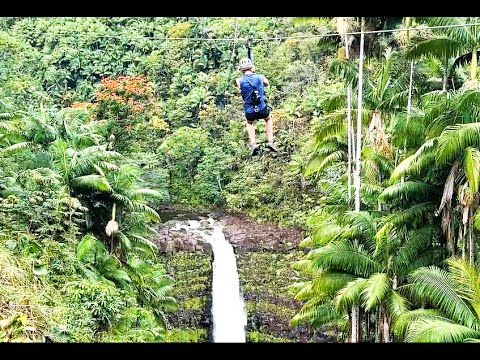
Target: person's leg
{"type": "Point", "coordinates": [251, 132]}
{"type": "Point", "coordinates": [269, 131]}
{"type": "Point", "coordinates": [251, 136]}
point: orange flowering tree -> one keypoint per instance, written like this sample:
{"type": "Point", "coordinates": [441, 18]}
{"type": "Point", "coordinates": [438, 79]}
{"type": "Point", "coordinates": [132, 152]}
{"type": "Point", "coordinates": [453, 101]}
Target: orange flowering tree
{"type": "Point", "coordinates": [129, 103]}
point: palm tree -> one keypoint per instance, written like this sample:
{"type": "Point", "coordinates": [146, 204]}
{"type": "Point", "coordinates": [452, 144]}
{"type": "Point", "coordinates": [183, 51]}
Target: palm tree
{"type": "Point", "coordinates": [130, 211]}
{"type": "Point", "coordinates": [363, 259]}
{"type": "Point", "coordinates": [451, 152]}
{"type": "Point", "coordinates": [451, 303]}
{"type": "Point", "coordinates": [460, 42]}
{"type": "Point", "coordinates": [149, 283]}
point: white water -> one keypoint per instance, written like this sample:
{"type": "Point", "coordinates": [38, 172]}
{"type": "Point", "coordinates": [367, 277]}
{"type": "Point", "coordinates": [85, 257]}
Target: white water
{"type": "Point", "coordinates": [228, 307]}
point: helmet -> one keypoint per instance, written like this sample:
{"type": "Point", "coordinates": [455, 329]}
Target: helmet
{"type": "Point", "coordinates": [245, 64]}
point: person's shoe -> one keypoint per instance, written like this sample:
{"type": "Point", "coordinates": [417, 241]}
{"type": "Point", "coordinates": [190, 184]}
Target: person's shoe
{"type": "Point", "coordinates": [270, 147]}
{"type": "Point", "coordinates": [255, 150]}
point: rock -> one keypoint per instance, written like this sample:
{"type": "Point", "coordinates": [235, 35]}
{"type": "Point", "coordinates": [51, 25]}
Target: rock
{"type": "Point", "coordinates": [248, 234]}
{"type": "Point", "coordinates": [204, 223]}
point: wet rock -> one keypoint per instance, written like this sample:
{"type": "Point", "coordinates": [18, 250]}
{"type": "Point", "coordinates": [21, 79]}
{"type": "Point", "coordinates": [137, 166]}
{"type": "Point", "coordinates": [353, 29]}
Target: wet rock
{"type": "Point", "coordinates": [205, 224]}
{"type": "Point", "coordinates": [247, 234]}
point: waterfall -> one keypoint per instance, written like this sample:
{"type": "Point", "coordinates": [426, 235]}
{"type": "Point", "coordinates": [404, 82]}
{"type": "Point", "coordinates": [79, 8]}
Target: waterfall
{"type": "Point", "coordinates": [228, 307]}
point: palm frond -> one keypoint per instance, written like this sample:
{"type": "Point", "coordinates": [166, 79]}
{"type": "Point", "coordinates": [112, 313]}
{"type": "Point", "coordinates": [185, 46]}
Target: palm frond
{"type": "Point", "coordinates": [344, 256]}
{"type": "Point", "coordinates": [326, 232]}
{"type": "Point", "coordinates": [362, 228]}
{"type": "Point", "coordinates": [435, 286]}
{"type": "Point", "coordinates": [396, 304]}
{"type": "Point", "coordinates": [350, 294]}
{"type": "Point", "coordinates": [471, 163]}
{"type": "Point", "coordinates": [408, 190]}
{"type": "Point", "coordinates": [376, 289]}
{"type": "Point", "coordinates": [117, 275]}
{"type": "Point", "coordinates": [316, 315]}
{"type": "Point", "coordinates": [139, 194]}
{"type": "Point", "coordinates": [416, 242]}
{"type": "Point", "coordinates": [403, 321]}
{"type": "Point", "coordinates": [18, 146]}
{"type": "Point", "coordinates": [423, 158]}
{"type": "Point", "coordinates": [333, 124]}
{"type": "Point", "coordinates": [94, 182]}
{"type": "Point", "coordinates": [467, 101]}
{"type": "Point", "coordinates": [476, 219]}
{"type": "Point", "coordinates": [145, 209]}
{"type": "Point", "coordinates": [88, 245]}
{"type": "Point", "coordinates": [347, 70]}
{"type": "Point", "coordinates": [449, 187]}
{"type": "Point", "coordinates": [455, 138]}
{"type": "Point", "coordinates": [319, 163]}
{"type": "Point", "coordinates": [440, 47]}
{"type": "Point", "coordinates": [143, 243]}
{"type": "Point", "coordinates": [467, 279]}
{"type": "Point", "coordinates": [442, 331]}
{"type": "Point", "coordinates": [336, 102]}
{"type": "Point", "coordinates": [411, 215]}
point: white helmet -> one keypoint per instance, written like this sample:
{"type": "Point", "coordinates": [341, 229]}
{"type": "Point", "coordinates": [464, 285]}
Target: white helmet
{"type": "Point", "coordinates": [245, 64]}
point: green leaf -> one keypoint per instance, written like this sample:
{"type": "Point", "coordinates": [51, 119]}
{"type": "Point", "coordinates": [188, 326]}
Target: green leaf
{"type": "Point", "coordinates": [94, 182]}
{"type": "Point", "coordinates": [376, 288]}
{"type": "Point", "coordinates": [408, 190]}
{"type": "Point", "coordinates": [40, 270]}
{"type": "Point", "coordinates": [350, 294]}
{"type": "Point", "coordinates": [404, 320]}
{"type": "Point", "coordinates": [436, 286]}
{"type": "Point", "coordinates": [416, 163]}
{"type": "Point", "coordinates": [433, 330]}
{"type": "Point", "coordinates": [471, 162]}
{"type": "Point", "coordinates": [455, 139]}
{"type": "Point", "coordinates": [344, 256]}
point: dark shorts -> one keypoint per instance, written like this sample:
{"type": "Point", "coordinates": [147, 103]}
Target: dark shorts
{"type": "Point", "coordinates": [262, 114]}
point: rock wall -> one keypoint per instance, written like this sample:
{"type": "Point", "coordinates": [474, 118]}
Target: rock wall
{"type": "Point", "coordinates": [265, 254]}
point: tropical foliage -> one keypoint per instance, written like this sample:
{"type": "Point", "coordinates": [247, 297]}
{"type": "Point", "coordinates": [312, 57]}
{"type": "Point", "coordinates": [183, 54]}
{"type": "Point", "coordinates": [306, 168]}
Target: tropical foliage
{"type": "Point", "coordinates": [102, 120]}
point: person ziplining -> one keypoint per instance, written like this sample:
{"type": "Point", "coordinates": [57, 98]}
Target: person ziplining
{"type": "Point", "coordinates": [252, 88]}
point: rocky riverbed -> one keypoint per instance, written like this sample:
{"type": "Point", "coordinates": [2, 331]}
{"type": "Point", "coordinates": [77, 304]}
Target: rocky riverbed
{"type": "Point", "coordinates": [265, 253]}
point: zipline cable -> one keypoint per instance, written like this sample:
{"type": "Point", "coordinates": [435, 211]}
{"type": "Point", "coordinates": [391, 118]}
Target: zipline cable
{"type": "Point", "coordinates": [280, 37]}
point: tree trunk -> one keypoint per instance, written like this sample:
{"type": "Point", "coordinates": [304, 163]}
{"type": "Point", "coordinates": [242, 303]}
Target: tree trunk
{"type": "Point", "coordinates": [473, 65]}
{"type": "Point", "coordinates": [386, 328]}
{"type": "Point", "coordinates": [410, 87]}
{"type": "Point", "coordinates": [445, 69]}
{"type": "Point", "coordinates": [471, 243]}
{"type": "Point", "coordinates": [355, 324]}
{"type": "Point", "coordinates": [378, 325]}
{"type": "Point", "coordinates": [356, 309]}
{"type": "Point", "coordinates": [359, 122]}
{"type": "Point", "coordinates": [350, 142]}
{"type": "Point", "coordinates": [349, 126]}
{"type": "Point", "coordinates": [354, 153]}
